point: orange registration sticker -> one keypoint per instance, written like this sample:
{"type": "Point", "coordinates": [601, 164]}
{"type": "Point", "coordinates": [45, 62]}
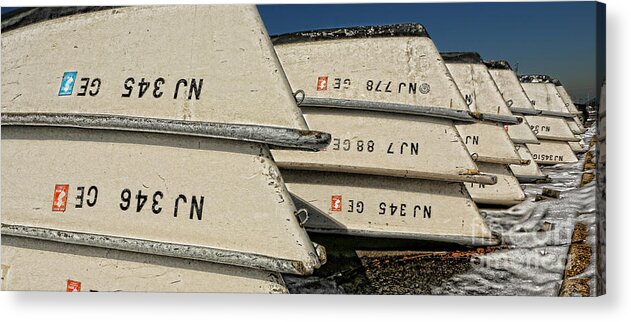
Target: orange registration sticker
{"type": "Point", "coordinates": [73, 286]}
{"type": "Point", "coordinates": [336, 203]}
{"type": "Point", "coordinates": [323, 81]}
{"type": "Point", "coordinates": [60, 197]}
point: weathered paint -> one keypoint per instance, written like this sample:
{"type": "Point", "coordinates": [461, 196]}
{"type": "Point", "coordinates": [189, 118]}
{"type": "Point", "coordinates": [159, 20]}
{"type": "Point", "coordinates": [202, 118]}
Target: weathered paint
{"type": "Point", "coordinates": [513, 94]}
{"type": "Point", "coordinates": [364, 84]}
{"type": "Point", "coordinates": [136, 186]}
{"type": "Point", "coordinates": [396, 69]}
{"type": "Point", "coordinates": [385, 144]}
{"type": "Point", "coordinates": [505, 192]}
{"type": "Point", "coordinates": [210, 70]}
{"type": "Point", "coordinates": [388, 207]}
{"type": "Point", "coordinates": [482, 95]}
{"type": "Point", "coordinates": [478, 88]}
{"type": "Point", "coordinates": [527, 172]}
{"type": "Point", "coordinates": [552, 152]}
{"type": "Point", "coordinates": [567, 100]}
{"type": "Point", "coordinates": [509, 86]}
{"type": "Point", "coordinates": [488, 142]}
{"type": "Point", "coordinates": [545, 97]}
{"type": "Point", "coordinates": [332, 66]}
{"type": "Point", "coordinates": [550, 128]}
{"type": "Point", "coordinates": [39, 265]}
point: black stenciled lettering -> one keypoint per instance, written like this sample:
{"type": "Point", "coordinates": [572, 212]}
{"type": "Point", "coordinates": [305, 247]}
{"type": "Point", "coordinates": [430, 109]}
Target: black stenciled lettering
{"type": "Point", "coordinates": [140, 200]}
{"type": "Point", "coordinates": [360, 207]}
{"type": "Point", "coordinates": [337, 82]}
{"type": "Point", "coordinates": [143, 86]}
{"type": "Point", "coordinates": [403, 145]}
{"type": "Point", "coordinates": [371, 146]}
{"type": "Point", "coordinates": [393, 209]}
{"type": "Point", "coordinates": [475, 140]}
{"type": "Point", "coordinates": [157, 92]}
{"type": "Point", "coordinates": [347, 145]}
{"type": "Point", "coordinates": [177, 86]}
{"type": "Point", "coordinates": [128, 85]}
{"type": "Point", "coordinates": [414, 148]}
{"type": "Point", "coordinates": [93, 194]}
{"type": "Point", "coordinates": [336, 144]}
{"type": "Point", "coordinates": [195, 88]}
{"type": "Point", "coordinates": [369, 85]}
{"type": "Point", "coordinates": [197, 207]}
{"type": "Point", "coordinates": [81, 191]}
{"type": "Point", "coordinates": [388, 90]}
{"type": "Point", "coordinates": [382, 208]}
{"type": "Point", "coordinates": [401, 86]}
{"type": "Point", "coordinates": [125, 199]}
{"type": "Point", "coordinates": [157, 196]}
{"type": "Point", "coordinates": [83, 89]}
{"type": "Point", "coordinates": [427, 212]}
{"type": "Point", "coordinates": [95, 86]}
{"type": "Point", "coordinates": [177, 203]}
{"type": "Point", "coordinates": [412, 88]}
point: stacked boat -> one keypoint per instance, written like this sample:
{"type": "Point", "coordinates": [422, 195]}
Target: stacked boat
{"type": "Point", "coordinates": [130, 151]}
{"type": "Point", "coordinates": [197, 156]}
{"type": "Point", "coordinates": [551, 126]}
{"type": "Point", "coordinates": [397, 165]}
{"type": "Point", "coordinates": [519, 104]}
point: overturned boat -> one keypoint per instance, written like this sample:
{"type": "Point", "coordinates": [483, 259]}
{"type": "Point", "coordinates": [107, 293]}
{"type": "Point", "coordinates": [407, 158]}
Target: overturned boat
{"type": "Point", "coordinates": [567, 99]}
{"type": "Point", "coordinates": [396, 164]}
{"type": "Point", "coordinates": [159, 147]}
{"type": "Point", "coordinates": [482, 97]}
{"type": "Point", "coordinates": [27, 263]}
{"type": "Point", "coordinates": [513, 94]}
{"type": "Point", "coordinates": [551, 125]}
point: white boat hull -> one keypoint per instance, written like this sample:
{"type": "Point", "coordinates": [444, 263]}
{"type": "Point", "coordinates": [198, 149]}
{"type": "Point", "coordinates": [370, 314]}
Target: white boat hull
{"type": "Point", "coordinates": [528, 172]}
{"type": "Point", "coordinates": [384, 144]}
{"type": "Point", "coordinates": [488, 142]}
{"type": "Point", "coordinates": [506, 192]}
{"type": "Point", "coordinates": [552, 152]}
{"type": "Point", "coordinates": [210, 69]}
{"type": "Point", "coordinates": [39, 265]}
{"type": "Point", "coordinates": [388, 207]}
{"type": "Point", "coordinates": [207, 199]}
{"type": "Point", "coordinates": [550, 128]}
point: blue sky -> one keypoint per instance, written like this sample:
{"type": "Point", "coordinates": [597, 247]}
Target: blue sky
{"type": "Point", "coordinates": [555, 38]}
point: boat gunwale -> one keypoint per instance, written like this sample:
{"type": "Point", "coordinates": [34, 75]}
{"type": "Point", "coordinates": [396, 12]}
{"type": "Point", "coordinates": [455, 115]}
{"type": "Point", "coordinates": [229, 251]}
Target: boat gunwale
{"type": "Point", "coordinates": [276, 137]}
{"type": "Point", "coordinates": [356, 32]}
{"type": "Point", "coordinates": [430, 111]}
{"type": "Point", "coordinates": [194, 252]}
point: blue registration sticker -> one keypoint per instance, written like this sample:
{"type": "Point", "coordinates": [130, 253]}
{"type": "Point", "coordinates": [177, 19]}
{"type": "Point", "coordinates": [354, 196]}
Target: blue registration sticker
{"type": "Point", "coordinates": [67, 83]}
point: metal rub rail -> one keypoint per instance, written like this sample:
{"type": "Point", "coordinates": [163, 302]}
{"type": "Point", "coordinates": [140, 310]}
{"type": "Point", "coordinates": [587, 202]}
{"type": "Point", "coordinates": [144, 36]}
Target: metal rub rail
{"type": "Point", "coordinates": [173, 250]}
{"type": "Point", "coordinates": [439, 112]}
{"type": "Point", "coordinates": [557, 114]}
{"type": "Point", "coordinates": [274, 136]}
{"type": "Point", "coordinates": [525, 111]}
